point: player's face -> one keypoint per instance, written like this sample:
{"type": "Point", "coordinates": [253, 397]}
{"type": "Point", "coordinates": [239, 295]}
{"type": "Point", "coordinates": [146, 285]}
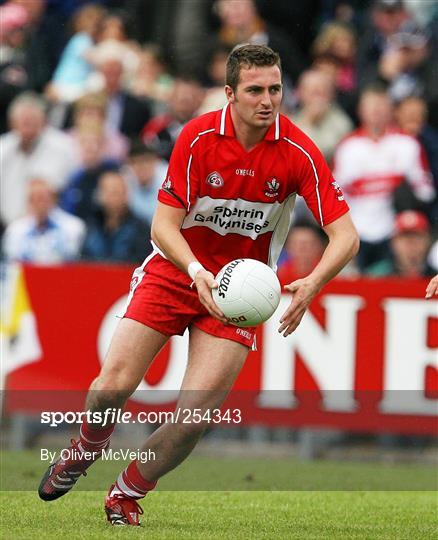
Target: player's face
{"type": "Point", "coordinates": [258, 96]}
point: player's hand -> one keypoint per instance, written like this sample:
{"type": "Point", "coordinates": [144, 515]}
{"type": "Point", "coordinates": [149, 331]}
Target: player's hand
{"type": "Point", "coordinates": [205, 282]}
{"type": "Point", "coordinates": [432, 288]}
{"type": "Point", "coordinates": [303, 290]}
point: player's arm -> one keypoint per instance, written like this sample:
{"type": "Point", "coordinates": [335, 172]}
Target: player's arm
{"type": "Point", "coordinates": [342, 247]}
{"type": "Point", "coordinates": [166, 234]}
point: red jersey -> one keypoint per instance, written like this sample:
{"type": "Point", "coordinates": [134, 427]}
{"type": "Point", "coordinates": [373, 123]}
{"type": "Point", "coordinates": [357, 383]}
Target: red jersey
{"type": "Point", "coordinates": [238, 203]}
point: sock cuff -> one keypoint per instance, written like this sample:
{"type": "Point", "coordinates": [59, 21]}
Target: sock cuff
{"type": "Point", "coordinates": [140, 483]}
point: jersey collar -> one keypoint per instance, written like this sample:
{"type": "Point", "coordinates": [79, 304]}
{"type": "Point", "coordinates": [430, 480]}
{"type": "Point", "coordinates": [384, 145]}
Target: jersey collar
{"type": "Point", "coordinates": [224, 125]}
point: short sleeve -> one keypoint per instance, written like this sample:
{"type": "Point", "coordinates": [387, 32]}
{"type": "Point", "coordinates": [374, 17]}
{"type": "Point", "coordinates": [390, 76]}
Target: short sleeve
{"type": "Point", "coordinates": [180, 186]}
{"type": "Point", "coordinates": [317, 186]}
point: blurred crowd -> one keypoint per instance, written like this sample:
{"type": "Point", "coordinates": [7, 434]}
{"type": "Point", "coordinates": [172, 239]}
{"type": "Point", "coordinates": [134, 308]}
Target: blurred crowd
{"type": "Point", "coordinates": [94, 94]}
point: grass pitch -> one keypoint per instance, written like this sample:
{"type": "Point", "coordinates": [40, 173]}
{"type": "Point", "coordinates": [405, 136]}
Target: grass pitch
{"type": "Point", "coordinates": [260, 513]}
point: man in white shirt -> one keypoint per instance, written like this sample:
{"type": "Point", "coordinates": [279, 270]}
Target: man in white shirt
{"type": "Point", "coordinates": [370, 164]}
{"type": "Point", "coordinates": [47, 234]}
{"type": "Point", "coordinates": [31, 149]}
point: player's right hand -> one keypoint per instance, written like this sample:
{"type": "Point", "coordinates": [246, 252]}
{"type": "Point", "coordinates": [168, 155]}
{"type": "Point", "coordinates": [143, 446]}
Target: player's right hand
{"type": "Point", "coordinates": [205, 282]}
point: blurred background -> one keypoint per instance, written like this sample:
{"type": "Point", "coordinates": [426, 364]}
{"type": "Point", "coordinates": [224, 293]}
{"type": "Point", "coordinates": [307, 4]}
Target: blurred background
{"type": "Point", "coordinates": [92, 98]}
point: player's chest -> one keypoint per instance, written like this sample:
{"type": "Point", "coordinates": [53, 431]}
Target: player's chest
{"type": "Point", "coordinates": [227, 172]}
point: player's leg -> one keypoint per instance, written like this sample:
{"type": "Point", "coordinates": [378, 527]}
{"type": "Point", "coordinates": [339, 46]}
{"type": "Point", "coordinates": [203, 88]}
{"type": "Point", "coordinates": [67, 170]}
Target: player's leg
{"type": "Point", "coordinates": [132, 350]}
{"type": "Point", "coordinates": [213, 366]}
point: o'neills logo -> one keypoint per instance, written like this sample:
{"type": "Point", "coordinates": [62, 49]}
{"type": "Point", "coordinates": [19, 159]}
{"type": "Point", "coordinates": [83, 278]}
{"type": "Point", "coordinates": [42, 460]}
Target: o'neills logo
{"type": "Point", "coordinates": [215, 179]}
{"type": "Point", "coordinates": [226, 279]}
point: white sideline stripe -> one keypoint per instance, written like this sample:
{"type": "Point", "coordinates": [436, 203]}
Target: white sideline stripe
{"type": "Point", "coordinates": [127, 490]}
{"type": "Point", "coordinates": [223, 115]}
{"type": "Point", "coordinates": [277, 127]}
{"type": "Point", "coordinates": [196, 139]}
{"type": "Point", "coordinates": [314, 172]}
{"type": "Point", "coordinates": [188, 182]}
{"type": "Point", "coordinates": [189, 164]}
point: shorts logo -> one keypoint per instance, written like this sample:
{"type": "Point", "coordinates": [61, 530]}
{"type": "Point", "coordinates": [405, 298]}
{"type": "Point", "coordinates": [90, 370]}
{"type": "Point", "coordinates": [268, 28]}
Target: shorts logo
{"type": "Point", "coordinates": [244, 333]}
{"type": "Point", "coordinates": [273, 185]}
{"type": "Point", "coordinates": [338, 190]}
{"type": "Point", "coordinates": [215, 179]}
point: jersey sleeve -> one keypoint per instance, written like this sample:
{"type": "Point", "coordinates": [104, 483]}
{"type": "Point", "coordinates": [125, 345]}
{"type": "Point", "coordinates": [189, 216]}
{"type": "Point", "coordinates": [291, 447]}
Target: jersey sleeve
{"type": "Point", "coordinates": [317, 186]}
{"type": "Point", "coordinates": [180, 187]}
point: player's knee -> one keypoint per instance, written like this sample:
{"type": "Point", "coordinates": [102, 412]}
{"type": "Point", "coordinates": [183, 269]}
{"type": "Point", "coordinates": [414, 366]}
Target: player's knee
{"type": "Point", "coordinates": [113, 389]}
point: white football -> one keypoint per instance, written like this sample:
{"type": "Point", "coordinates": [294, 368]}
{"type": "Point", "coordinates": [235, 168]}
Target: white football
{"type": "Point", "coordinates": [248, 293]}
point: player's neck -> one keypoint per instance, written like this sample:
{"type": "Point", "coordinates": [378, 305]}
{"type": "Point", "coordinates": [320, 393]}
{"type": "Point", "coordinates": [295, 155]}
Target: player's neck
{"type": "Point", "coordinates": [248, 136]}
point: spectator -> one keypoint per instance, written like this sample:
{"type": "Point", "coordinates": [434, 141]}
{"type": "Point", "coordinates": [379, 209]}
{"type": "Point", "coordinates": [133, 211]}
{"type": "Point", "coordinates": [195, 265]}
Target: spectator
{"type": "Point", "coordinates": [215, 96]}
{"type": "Point", "coordinates": [370, 165]}
{"type": "Point", "coordinates": [145, 173]}
{"type": "Point", "coordinates": [40, 48]}
{"type": "Point", "coordinates": [304, 247]}
{"type": "Point", "coordinates": [13, 73]}
{"type": "Point", "coordinates": [241, 23]}
{"type": "Point", "coordinates": [387, 18]}
{"type": "Point", "coordinates": [411, 117]}
{"type": "Point", "coordinates": [79, 197]}
{"type": "Point", "coordinates": [319, 116]}
{"type": "Point", "coordinates": [114, 233]}
{"type": "Point", "coordinates": [408, 248]}
{"type": "Point", "coordinates": [47, 234]}
{"type": "Point", "coordinates": [125, 112]}
{"type": "Point", "coordinates": [334, 52]}
{"type": "Point", "coordinates": [338, 40]}
{"type": "Point", "coordinates": [69, 81]}
{"type": "Point", "coordinates": [31, 149]}
{"type": "Point", "coordinates": [152, 80]}
{"type": "Point", "coordinates": [185, 100]}
{"type": "Point", "coordinates": [90, 110]}
{"type": "Point", "coordinates": [405, 64]}
{"type": "Point", "coordinates": [116, 29]}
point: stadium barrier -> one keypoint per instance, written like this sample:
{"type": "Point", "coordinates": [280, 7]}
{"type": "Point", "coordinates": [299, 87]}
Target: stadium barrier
{"type": "Point", "coordinates": [363, 359]}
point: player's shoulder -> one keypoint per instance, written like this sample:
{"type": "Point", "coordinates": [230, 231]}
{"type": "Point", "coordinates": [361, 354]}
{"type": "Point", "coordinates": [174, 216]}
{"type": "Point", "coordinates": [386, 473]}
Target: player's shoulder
{"type": "Point", "coordinates": [201, 124]}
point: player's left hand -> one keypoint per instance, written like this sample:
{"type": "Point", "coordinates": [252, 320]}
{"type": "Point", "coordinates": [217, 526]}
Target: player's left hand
{"type": "Point", "coordinates": [303, 290]}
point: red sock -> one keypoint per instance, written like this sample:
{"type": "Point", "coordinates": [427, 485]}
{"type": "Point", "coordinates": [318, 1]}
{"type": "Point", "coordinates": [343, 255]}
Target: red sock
{"type": "Point", "coordinates": [131, 483]}
{"type": "Point", "coordinates": [93, 440]}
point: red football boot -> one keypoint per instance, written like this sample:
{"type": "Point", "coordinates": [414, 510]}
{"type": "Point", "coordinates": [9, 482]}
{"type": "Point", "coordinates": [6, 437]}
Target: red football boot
{"type": "Point", "coordinates": [122, 510]}
{"type": "Point", "coordinates": [62, 475]}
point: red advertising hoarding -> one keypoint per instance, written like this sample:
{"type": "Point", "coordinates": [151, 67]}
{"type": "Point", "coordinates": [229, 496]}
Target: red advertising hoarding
{"type": "Point", "coordinates": [364, 357]}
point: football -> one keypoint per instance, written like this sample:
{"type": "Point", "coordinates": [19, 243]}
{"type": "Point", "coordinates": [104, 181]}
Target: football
{"type": "Point", "coordinates": [248, 292]}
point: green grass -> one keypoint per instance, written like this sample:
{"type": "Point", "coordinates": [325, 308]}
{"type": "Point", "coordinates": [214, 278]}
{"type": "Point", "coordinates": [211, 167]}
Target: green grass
{"type": "Point", "coordinates": [253, 510]}
{"type": "Point", "coordinates": [234, 515]}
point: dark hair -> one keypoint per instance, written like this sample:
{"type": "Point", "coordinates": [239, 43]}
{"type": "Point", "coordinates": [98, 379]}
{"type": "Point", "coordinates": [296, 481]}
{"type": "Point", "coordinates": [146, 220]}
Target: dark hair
{"type": "Point", "coordinates": [247, 56]}
{"type": "Point", "coordinates": [139, 148]}
{"type": "Point", "coordinates": [377, 87]}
